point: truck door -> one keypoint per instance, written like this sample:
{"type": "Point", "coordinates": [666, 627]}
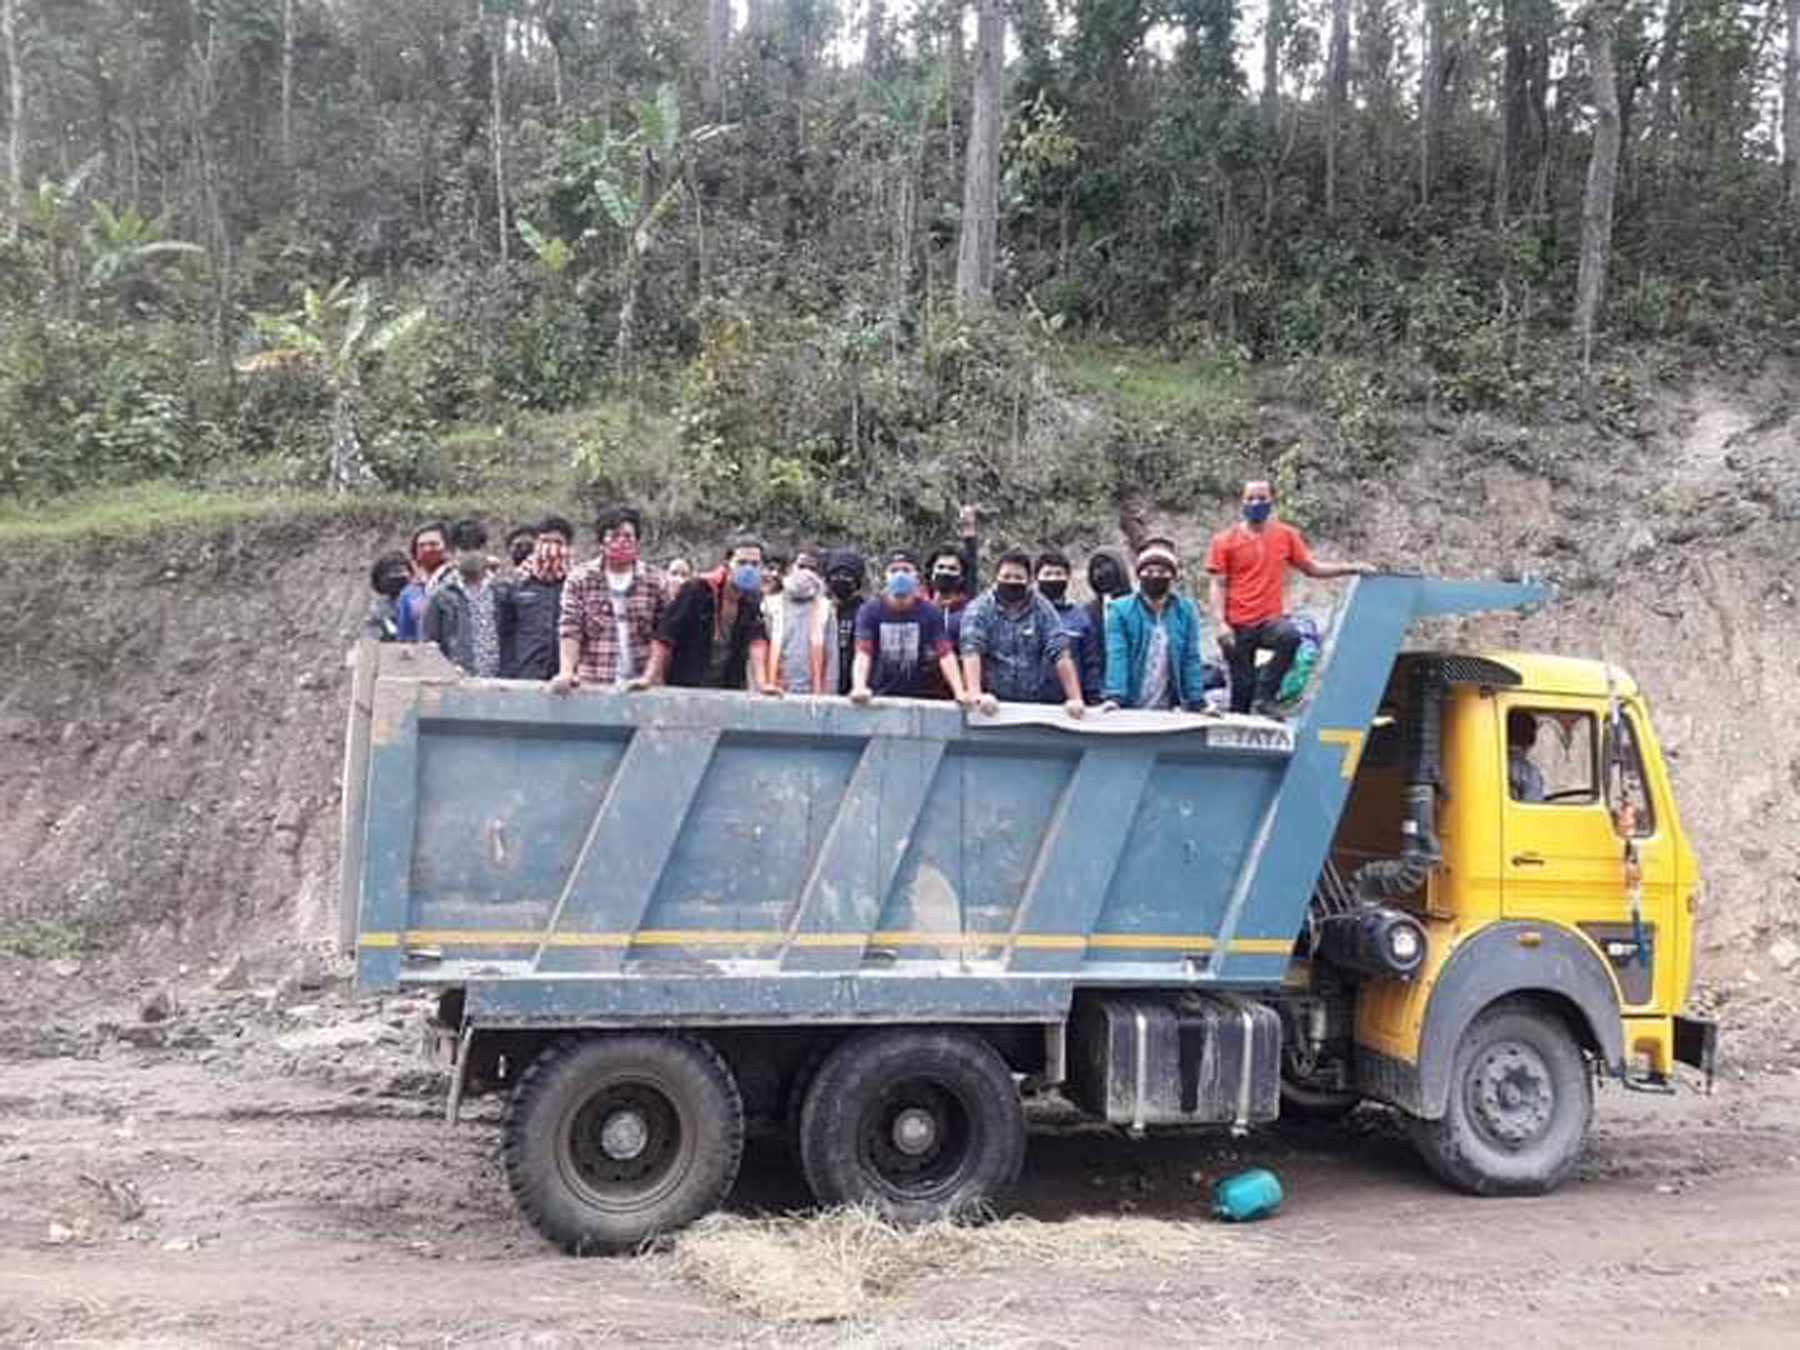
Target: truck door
{"type": "Point", "coordinates": [1561, 860]}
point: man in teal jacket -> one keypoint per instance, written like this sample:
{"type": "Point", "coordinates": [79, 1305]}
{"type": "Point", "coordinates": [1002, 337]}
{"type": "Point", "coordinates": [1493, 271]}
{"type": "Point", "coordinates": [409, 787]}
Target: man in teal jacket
{"type": "Point", "coordinates": [1153, 639]}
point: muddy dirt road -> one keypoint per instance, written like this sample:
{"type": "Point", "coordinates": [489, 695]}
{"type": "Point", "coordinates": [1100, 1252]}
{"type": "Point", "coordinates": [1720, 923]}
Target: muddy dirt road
{"type": "Point", "coordinates": [269, 1167]}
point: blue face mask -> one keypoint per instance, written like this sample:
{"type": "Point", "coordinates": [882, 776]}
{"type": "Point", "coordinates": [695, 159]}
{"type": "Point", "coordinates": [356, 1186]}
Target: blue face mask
{"type": "Point", "coordinates": [901, 585]}
{"type": "Point", "coordinates": [747, 577]}
{"type": "Point", "coordinates": [1257, 512]}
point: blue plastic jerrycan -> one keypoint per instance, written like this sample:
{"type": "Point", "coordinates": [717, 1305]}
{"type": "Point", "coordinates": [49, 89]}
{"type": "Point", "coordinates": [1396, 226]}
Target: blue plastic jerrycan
{"type": "Point", "coordinates": [1243, 1196]}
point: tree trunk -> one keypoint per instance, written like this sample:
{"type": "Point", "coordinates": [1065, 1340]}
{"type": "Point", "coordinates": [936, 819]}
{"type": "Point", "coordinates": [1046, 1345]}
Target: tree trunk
{"type": "Point", "coordinates": [718, 38]}
{"type": "Point", "coordinates": [494, 28]}
{"type": "Point", "coordinates": [1602, 178]}
{"type": "Point", "coordinates": [1668, 54]}
{"type": "Point", "coordinates": [287, 83]}
{"type": "Point", "coordinates": [349, 466]}
{"type": "Point", "coordinates": [1790, 107]}
{"type": "Point", "coordinates": [15, 119]}
{"type": "Point", "coordinates": [954, 60]}
{"type": "Point", "coordinates": [981, 178]}
{"type": "Point", "coordinates": [1373, 71]}
{"type": "Point", "coordinates": [1431, 95]}
{"type": "Point", "coordinates": [1512, 106]}
{"type": "Point", "coordinates": [1273, 22]}
{"type": "Point", "coordinates": [874, 53]}
{"type": "Point", "coordinates": [1337, 95]}
{"type": "Point", "coordinates": [625, 343]}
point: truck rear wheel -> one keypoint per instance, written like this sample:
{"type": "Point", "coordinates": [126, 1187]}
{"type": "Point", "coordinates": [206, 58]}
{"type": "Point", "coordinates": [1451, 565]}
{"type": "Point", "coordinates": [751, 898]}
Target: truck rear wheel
{"type": "Point", "coordinates": [611, 1140]}
{"type": "Point", "coordinates": [1519, 1108]}
{"type": "Point", "coordinates": [915, 1125]}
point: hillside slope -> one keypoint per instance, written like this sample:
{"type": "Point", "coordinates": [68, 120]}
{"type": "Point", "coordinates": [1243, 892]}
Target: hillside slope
{"type": "Point", "coordinates": [171, 705]}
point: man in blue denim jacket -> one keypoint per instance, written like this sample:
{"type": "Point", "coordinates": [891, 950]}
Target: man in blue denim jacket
{"type": "Point", "coordinates": [1153, 639]}
{"type": "Point", "coordinates": [1013, 642]}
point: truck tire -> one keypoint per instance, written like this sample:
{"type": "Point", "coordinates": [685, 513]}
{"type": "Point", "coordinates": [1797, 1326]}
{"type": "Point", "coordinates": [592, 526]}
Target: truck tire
{"type": "Point", "coordinates": [914, 1125]}
{"type": "Point", "coordinates": [1520, 1103]}
{"type": "Point", "coordinates": [611, 1140]}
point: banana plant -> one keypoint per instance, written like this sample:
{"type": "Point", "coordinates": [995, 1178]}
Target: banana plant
{"type": "Point", "coordinates": [120, 243]}
{"type": "Point", "coordinates": [552, 253]}
{"type": "Point", "coordinates": [333, 335]}
{"type": "Point", "coordinates": [632, 182]}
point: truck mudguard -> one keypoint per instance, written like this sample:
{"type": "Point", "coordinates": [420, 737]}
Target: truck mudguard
{"type": "Point", "coordinates": [1512, 957]}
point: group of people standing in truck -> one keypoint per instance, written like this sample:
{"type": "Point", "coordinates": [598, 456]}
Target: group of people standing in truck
{"type": "Point", "coordinates": [808, 623]}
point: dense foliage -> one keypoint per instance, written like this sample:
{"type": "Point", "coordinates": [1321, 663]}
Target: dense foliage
{"type": "Point", "coordinates": [755, 231]}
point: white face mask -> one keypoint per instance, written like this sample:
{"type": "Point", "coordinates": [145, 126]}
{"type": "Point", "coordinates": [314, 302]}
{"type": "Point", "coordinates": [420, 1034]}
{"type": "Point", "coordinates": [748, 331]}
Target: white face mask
{"type": "Point", "coordinates": [801, 584]}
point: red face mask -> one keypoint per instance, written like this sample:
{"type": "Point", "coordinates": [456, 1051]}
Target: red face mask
{"type": "Point", "coordinates": [549, 560]}
{"type": "Point", "coordinates": [621, 552]}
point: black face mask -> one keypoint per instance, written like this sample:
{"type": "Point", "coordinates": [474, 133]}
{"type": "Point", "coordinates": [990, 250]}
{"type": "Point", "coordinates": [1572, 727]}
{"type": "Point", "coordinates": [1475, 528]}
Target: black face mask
{"type": "Point", "coordinates": [521, 550]}
{"type": "Point", "coordinates": [947, 583]}
{"type": "Point", "coordinates": [391, 584]}
{"type": "Point", "coordinates": [1107, 580]}
{"type": "Point", "coordinates": [1053, 591]}
{"type": "Point", "coordinates": [1010, 592]}
{"type": "Point", "coordinates": [1156, 587]}
{"type": "Point", "coordinates": [843, 587]}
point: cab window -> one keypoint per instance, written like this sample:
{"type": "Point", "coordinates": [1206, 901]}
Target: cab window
{"type": "Point", "coordinates": [1634, 788]}
{"type": "Point", "coordinates": [1552, 757]}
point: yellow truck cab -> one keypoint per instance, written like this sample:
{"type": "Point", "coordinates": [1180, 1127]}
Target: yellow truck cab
{"type": "Point", "coordinates": [1560, 910]}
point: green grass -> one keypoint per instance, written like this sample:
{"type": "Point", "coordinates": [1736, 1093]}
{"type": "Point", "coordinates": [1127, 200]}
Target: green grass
{"type": "Point", "coordinates": [1140, 383]}
{"type": "Point", "coordinates": [45, 939]}
{"type": "Point", "coordinates": [498, 473]}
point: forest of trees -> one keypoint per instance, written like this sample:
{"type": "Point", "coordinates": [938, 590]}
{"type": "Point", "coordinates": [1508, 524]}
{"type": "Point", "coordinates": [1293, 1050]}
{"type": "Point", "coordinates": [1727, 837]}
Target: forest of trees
{"type": "Point", "coordinates": [222, 217]}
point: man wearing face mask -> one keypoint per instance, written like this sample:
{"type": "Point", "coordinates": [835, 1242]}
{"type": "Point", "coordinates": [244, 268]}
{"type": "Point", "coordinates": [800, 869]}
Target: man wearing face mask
{"type": "Point", "coordinates": [388, 578]}
{"type": "Point", "coordinates": [803, 656]}
{"type": "Point", "coordinates": [952, 576]}
{"type": "Point", "coordinates": [1107, 581]}
{"type": "Point", "coordinates": [530, 605]}
{"type": "Point", "coordinates": [1013, 643]}
{"type": "Point", "coordinates": [461, 614]}
{"type": "Point", "coordinates": [1153, 639]}
{"type": "Point", "coordinates": [845, 572]}
{"type": "Point", "coordinates": [1248, 562]}
{"type": "Point", "coordinates": [428, 557]}
{"type": "Point", "coordinates": [899, 634]}
{"type": "Point", "coordinates": [610, 609]}
{"type": "Point", "coordinates": [712, 635]}
{"type": "Point", "coordinates": [519, 543]}
{"type": "Point", "coordinates": [1085, 650]}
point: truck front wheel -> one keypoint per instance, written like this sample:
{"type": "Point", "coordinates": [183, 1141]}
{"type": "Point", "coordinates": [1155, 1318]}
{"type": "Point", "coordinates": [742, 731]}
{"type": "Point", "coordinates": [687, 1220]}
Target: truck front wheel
{"type": "Point", "coordinates": [915, 1125]}
{"type": "Point", "coordinates": [611, 1140]}
{"type": "Point", "coordinates": [1520, 1103]}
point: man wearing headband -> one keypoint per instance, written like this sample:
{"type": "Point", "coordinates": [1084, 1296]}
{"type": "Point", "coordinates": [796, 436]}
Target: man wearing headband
{"type": "Point", "coordinates": [1153, 639]}
{"type": "Point", "coordinates": [1248, 562]}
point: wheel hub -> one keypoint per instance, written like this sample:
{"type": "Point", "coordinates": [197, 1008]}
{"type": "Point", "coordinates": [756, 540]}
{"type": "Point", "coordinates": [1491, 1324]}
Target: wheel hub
{"type": "Point", "coordinates": [917, 1138]}
{"type": "Point", "coordinates": [624, 1135]}
{"type": "Point", "coordinates": [1512, 1094]}
{"type": "Point", "coordinates": [915, 1132]}
{"type": "Point", "coordinates": [621, 1146]}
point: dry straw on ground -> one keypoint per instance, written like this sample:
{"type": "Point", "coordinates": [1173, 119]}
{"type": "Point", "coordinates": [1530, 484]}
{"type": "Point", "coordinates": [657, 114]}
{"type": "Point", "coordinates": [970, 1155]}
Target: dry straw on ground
{"type": "Point", "coordinates": [838, 1265]}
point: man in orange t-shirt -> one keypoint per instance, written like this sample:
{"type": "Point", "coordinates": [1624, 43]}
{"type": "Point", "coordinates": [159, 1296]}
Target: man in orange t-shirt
{"type": "Point", "coordinates": [1248, 562]}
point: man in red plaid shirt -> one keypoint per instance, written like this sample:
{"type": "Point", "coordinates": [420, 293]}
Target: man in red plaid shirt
{"type": "Point", "coordinates": [611, 609]}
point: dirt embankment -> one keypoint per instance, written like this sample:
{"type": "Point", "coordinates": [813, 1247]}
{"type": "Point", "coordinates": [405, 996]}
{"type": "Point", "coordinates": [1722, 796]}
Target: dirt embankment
{"type": "Point", "coordinates": [171, 708]}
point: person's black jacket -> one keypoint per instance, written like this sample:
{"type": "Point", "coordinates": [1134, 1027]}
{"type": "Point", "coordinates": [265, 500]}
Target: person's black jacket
{"type": "Point", "coordinates": [527, 612]}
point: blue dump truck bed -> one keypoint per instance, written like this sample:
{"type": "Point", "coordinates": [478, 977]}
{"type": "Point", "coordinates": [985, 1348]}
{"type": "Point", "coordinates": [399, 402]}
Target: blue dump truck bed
{"type": "Point", "coordinates": [685, 857]}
